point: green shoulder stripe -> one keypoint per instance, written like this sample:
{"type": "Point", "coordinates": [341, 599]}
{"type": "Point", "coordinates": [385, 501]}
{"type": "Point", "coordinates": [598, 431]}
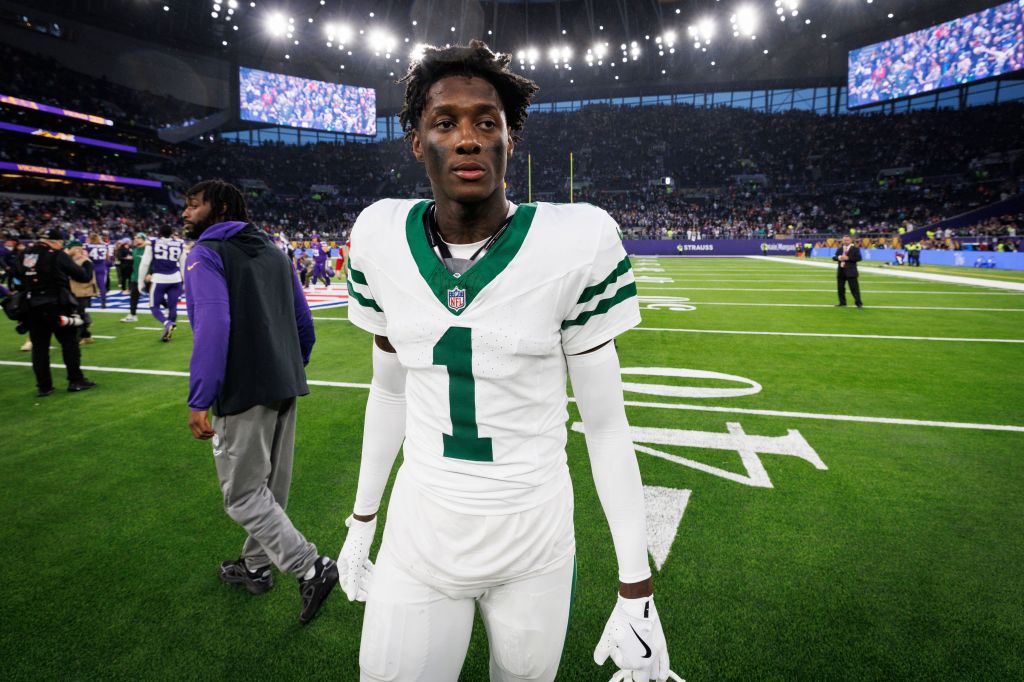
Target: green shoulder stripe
{"type": "Point", "coordinates": [356, 276]}
{"type": "Point", "coordinates": [364, 301]}
{"type": "Point", "coordinates": [599, 288]}
{"type": "Point", "coordinates": [626, 292]}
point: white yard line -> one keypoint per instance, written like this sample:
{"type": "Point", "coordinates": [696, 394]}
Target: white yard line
{"type": "Point", "coordinates": [893, 272]}
{"type": "Point", "coordinates": [825, 335]}
{"type": "Point", "coordinates": [833, 290]}
{"type": "Point", "coordinates": [630, 403]}
{"type": "Point", "coordinates": [829, 417]}
{"type": "Point", "coordinates": [873, 307]}
{"type": "Point", "coordinates": [644, 300]}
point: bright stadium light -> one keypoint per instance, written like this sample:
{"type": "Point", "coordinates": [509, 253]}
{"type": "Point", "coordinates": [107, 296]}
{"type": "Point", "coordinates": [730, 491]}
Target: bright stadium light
{"type": "Point", "coordinates": [276, 24]}
{"type": "Point", "coordinates": [744, 21]}
{"type": "Point", "coordinates": [532, 55]}
{"type": "Point", "coordinates": [553, 54]}
{"type": "Point", "coordinates": [600, 49]}
{"type": "Point", "coordinates": [381, 41]}
{"type": "Point", "coordinates": [669, 38]}
{"type": "Point", "coordinates": [566, 54]}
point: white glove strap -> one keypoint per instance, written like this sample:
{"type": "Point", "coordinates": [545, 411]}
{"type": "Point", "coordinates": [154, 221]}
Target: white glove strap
{"type": "Point", "coordinates": [597, 386]}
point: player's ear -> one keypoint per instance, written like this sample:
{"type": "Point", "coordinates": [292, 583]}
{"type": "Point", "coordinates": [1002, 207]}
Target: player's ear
{"type": "Point", "coordinates": [417, 147]}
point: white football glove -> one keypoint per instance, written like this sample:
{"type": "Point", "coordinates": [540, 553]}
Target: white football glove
{"type": "Point", "coordinates": [635, 642]}
{"type": "Point", "coordinates": [354, 565]}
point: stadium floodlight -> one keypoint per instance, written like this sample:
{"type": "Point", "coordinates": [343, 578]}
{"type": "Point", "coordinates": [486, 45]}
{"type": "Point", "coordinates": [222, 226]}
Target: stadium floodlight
{"type": "Point", "coordinates": [601, 50]}
{"type": "Point", "coordinates": [521, 55]}
{"type": "Point", "coordinates": [233, 4]}
{"type": "Point", "coordinates": [553, 54]}
{"type": "Point", "coordinates": [566, 54]}
{"type": "Point", "coordinates": [532, 55]}
{"type": "Point", "coordinates": [669, 38]}
{"type": "Point", "coordinates": [340, 33]}
{"type": "Point", "coordinates": [381, 41]}
{"type": "Point", "coordinates": [744, 21]}
{"type": "Point", "coordinates": [276, 24]}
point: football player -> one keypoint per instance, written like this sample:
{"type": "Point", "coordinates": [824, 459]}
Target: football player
{"type": "Point", "coordinates": [101, 254]}
{"type": "Point", "coordinates": [321, 254]}
{"type": "Point", "coordinates": [479, 309]}
{"type": "Point", "coordinates": [166, 255]}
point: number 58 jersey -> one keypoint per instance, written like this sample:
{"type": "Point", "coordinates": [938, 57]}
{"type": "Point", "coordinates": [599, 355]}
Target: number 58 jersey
{"type": "Point", "coordinates": [485, 351]}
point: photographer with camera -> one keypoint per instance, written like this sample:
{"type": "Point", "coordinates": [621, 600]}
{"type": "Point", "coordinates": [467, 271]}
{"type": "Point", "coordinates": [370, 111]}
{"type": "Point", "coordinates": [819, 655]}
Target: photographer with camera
{"type": "Point", "coordinates": [49, 308]}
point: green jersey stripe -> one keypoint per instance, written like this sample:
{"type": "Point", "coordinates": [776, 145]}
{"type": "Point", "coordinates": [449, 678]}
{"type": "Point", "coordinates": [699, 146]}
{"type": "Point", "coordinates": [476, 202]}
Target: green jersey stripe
{"type": "Point", "coordinates": [364, 301]}
{"type": "Point", "coordinates": [356, 276]}
{"type": "Point", "coordinates": [599, 288]}
{"type": "Point", "coordinates": [626, 292]}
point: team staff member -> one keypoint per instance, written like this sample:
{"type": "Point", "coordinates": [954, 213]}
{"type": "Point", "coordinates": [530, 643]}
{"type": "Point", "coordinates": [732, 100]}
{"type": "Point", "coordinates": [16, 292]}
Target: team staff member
{"type": "Point", "coordinates": [45, 271]}
{"type": "Point", "coordinates": [252, 336]}
{"type": "Point", "coordinates": [138, 251]}
{"type": "Point", "coordinates": [83, 291]}
{"type": "Point", "coordinates": [124, 260]}
{"type": "Point", "coordinates": [847, 255]}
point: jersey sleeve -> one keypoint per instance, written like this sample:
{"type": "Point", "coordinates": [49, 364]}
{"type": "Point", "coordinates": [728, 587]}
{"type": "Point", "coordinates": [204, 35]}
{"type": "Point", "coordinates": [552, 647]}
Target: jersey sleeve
{"type": "Point", "coordinates": [607, 304]}
{"type": "Point", "coordinates": [364, 308]}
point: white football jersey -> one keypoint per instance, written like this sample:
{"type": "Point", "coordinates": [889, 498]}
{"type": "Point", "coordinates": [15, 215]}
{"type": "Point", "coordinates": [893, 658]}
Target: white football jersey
{"type": "Point", "coordinates": [484, 352]}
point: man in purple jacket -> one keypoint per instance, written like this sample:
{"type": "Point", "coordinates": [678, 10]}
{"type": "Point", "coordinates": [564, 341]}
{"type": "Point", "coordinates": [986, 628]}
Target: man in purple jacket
{"type": "Point", "coordinates": [252, 336]}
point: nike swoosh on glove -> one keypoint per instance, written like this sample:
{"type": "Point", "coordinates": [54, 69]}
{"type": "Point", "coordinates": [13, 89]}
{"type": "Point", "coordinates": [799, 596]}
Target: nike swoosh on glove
{"type": "Point", "coordinates": [634, 640]}
{"type": "Point", "coordinates": [354, 565]}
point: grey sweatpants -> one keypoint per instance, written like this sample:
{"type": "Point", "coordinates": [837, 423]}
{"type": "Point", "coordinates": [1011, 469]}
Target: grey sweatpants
{"type": "Point", "coordinates": [253, 451]}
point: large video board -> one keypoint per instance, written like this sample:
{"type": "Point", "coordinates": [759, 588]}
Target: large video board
{"type": "Point", "coordinates": [267, 97]}
{"type": "Point", "coordinates": [975, 47]}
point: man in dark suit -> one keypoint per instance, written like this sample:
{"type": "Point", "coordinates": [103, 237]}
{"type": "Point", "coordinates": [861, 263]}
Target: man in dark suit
{"type": "Point", "coordinates": [847, 256]}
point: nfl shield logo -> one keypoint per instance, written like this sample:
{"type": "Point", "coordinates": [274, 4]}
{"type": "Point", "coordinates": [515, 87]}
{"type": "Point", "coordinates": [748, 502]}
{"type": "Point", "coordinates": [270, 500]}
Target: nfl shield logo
{"type": "Point", "coordinates": [456, 298]}
{"type": "Point", "coordinates": [30, 260]}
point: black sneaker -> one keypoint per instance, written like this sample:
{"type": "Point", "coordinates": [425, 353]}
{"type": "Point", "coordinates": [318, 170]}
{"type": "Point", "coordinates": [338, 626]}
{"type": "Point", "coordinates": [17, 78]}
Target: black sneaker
{"type": "Point", "coordinates": [315, 590]}
{"type": "Point", "coordinates": [83, 385]}
{"type": "Point", "coordinates": [43, 392]}
{"type": "Point", "coordinates": [169, 328]}
{"type": "Point", "coordinates": [234, 572]}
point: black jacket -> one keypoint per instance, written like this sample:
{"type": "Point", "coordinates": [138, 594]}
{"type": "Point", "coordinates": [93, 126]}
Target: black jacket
{"type": "Point", "coordinates": [45, 275]}
{"type": "Point", "coordinates": [848, 268]}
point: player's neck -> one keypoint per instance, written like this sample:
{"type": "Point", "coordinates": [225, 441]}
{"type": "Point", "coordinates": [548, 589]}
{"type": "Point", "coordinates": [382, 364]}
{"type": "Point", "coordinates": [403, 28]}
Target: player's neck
{"type": "Point", "coordinates": [470, 223]}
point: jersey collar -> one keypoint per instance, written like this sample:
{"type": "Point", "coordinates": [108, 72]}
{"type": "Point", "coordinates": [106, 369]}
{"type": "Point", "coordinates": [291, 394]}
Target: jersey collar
{"type": "Point", "coordinates": [457, 293]}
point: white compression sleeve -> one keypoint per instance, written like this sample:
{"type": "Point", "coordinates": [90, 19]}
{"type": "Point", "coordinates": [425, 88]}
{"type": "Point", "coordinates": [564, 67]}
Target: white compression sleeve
{"type": "Point", "coordinates": [597, 386]}
{"type": "Point", "coordinates": [383, 430]}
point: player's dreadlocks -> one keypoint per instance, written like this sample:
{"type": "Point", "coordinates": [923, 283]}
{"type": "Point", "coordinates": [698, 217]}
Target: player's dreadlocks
{"type": "Point", "coordinates": [223, 197]}
{"type": "Point", "coordinates": [473, 60]}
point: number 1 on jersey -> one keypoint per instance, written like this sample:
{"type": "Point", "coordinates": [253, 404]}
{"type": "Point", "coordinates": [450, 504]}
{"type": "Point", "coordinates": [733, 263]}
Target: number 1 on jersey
{"type": "Point", "coordinates": [454, 351]}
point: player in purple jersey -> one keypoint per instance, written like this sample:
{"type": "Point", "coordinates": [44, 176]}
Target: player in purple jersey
{"type": "Point", "coordinates": [101, 255]}
{"type": "Point", "coordinates": [161, 273]}
{"type": "Point", "coordinates": [321, 252]}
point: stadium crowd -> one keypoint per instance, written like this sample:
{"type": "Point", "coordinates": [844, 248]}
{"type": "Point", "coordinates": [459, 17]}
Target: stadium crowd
{"type": "Point", "coordinates": [734, 173]}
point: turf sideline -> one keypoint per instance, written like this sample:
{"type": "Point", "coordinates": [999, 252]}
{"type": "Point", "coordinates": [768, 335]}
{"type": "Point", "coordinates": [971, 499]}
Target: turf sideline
{"type": "Point", "coordinates": [930, 276]}
{"type": "Point", "coordinates": [628, 403]}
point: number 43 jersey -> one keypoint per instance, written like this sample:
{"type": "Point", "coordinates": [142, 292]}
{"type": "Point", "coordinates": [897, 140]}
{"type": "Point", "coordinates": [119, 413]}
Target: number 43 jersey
{"type": "Point", "coordinates": [484, 352]}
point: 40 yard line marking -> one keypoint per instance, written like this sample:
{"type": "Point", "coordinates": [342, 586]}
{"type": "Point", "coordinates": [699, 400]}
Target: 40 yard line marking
{"type": "Point", "coordinates": [629, 403]}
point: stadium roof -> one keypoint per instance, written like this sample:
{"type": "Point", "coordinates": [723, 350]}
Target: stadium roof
{"type": "Point", "coordinates": [573, 48]}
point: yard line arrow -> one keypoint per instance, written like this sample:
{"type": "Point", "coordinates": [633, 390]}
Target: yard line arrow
{"type": "Point", "coordinates": [665, 507]}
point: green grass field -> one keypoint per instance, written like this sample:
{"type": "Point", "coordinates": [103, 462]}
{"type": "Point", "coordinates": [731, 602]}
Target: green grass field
{"type": "Point", "coordinates": [900, 560]}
